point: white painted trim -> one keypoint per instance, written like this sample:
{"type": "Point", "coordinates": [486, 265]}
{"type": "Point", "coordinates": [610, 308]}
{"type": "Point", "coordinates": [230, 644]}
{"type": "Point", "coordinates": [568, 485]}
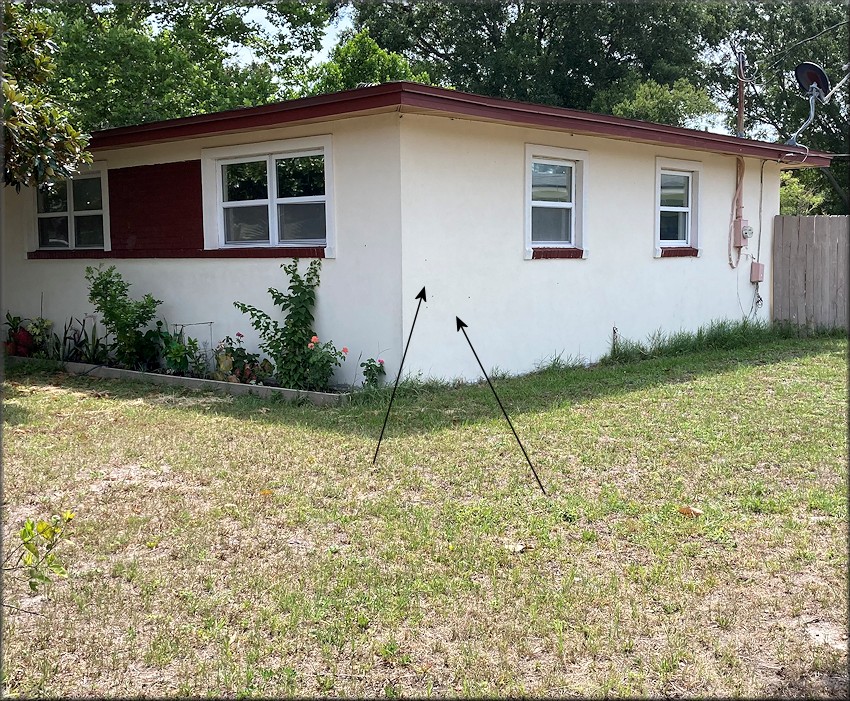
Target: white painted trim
{"type": "Point", "coordinates": [212, 196]}
{"type": "Point", "coordinates": [693, 169]}
{"type": "Point", "coordinates": [578, 160]}
{"type": "Point", "coordinates": [104, 192]}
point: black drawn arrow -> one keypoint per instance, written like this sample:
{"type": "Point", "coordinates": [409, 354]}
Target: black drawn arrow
{"type": "Point", "coordinates": [461, 326]}
{"type": "Point", "coordinates": [422, 298]}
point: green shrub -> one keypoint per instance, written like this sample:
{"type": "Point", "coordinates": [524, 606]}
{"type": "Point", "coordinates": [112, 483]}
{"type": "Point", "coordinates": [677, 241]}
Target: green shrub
{"type": "Point", "coordinates": [125, 318]}
{"type": "Point", "coordinates": [373, 371]}
{"type": "Point", "coordinates": [290, 345]}
{"type": "Point", "coordinates": [40, 328]}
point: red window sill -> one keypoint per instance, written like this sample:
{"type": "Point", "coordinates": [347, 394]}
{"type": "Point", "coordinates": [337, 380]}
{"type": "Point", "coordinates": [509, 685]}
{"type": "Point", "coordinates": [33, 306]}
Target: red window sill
{"type": "Point", "coordinates": [303, 252]}
{"type": "Point", "coordinates": [544, 253]}
{"type": "Point", "coordinates": [679, 252]}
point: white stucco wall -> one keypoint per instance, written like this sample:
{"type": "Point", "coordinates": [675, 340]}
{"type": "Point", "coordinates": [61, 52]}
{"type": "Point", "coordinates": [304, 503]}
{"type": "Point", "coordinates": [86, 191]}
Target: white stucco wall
{"type": "Point", "coordinates": [358, 301]}
{"type": "Point", "coordinates": [462, 224]}
{"type": "Point", "coordinates": [429, 200]}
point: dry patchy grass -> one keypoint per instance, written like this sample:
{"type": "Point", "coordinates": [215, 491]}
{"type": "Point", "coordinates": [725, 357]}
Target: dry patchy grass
{"type": "Point", "coordinates": [234, 547]}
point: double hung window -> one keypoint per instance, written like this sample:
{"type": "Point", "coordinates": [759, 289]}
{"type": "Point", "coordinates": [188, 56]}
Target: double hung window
{"type": "Point", "coordinates": [277, 200]}
{"type": "Point", "coordinates": [554, 201]}
{"type": "Point", "coordinates": [552, 197]}
{"type": "Point", "coordinates": [676, 207]}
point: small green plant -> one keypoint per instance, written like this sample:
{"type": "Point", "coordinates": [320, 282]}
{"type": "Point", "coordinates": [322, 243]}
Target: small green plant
{"type": "Point", "coordinates": [233, 362]}
{"type": "Point", "coordinates": [373, 371]}
{"type": "Point", "coordinates": [40, 330]}
{"type": "Point", "coordinates": [289, 344]}
{"type": "Point", "coordinates": [78, 344]}
{"type": "Point", "coordinates": [181, 355]}
{"type": "Point", "coordinates": [321, 361]}
{"type": "Point", "coordinates": [124, 318]}
{"type": "Point", "coordinates": [93, 347]}
{"type": "Point", "coordinates": [68, 347]}
{"type": "Point", "coordinates": [34, 556]}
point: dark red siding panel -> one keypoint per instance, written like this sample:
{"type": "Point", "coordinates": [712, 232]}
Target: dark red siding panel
{"type": "Point", "coordinates": [679, 252]}
{"type": "Point", "coordinates": [156, 208]}
{"type": "Point", "coordinates": [546, 253]}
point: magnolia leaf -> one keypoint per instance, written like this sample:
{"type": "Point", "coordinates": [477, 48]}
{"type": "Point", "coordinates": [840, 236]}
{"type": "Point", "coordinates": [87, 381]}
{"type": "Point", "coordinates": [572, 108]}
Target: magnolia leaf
{"type": "Point", "coordinates": [690, 511]}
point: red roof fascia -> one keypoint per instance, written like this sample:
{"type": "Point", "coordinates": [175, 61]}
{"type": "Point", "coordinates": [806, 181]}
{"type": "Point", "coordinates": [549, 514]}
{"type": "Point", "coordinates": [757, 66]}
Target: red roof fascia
{"type": "Point", "coordinates": [248, 118]}
{"type": "Point", "coordinates": [593, 124]}
{"type": "Point", "coordinates": [417, 96]}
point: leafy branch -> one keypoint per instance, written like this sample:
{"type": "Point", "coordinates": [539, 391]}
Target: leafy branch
{"type": "Point", "coordinates": [34, 555]}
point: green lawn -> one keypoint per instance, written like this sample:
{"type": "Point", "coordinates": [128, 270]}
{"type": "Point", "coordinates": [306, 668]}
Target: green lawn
{"type": "Point", "coordinates": [231, 546]}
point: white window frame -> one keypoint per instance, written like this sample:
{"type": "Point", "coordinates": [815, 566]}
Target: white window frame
{"type": "Point", "coordinates": [97, 169]}
{"type": "Point", "coordinates": [693, 170]}
{"type": "Point", "coordinates": [212, 159]}
{"type": "Point", "coordinates": [578, 161]}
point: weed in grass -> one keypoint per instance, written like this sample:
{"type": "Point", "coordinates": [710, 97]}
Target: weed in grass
{"type": "Point", "coordinates": [162, 650]}
{"type": "Point", "coordinates": [325, 683]}
{"type": "Point", "coordinates": [827, 502]}
{"type": "Point", "coordinates": [558, 363]}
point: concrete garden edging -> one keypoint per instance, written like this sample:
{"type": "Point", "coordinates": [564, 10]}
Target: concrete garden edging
{"type": "Point", "coordinates": [194, 383]}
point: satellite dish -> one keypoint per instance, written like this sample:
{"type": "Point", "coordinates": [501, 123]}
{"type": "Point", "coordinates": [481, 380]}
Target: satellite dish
{"type": "Point", "coordinates": [815, 84]}
{"type": "Point", "coordinates": [812, 80]}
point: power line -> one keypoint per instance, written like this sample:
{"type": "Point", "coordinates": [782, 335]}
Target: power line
{"type": "Point", "coordinates": [803, 41]}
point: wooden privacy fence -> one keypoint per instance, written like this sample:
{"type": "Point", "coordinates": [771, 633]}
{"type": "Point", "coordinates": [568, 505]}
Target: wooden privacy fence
{"type": "Point", "coordinates": [810, 260]}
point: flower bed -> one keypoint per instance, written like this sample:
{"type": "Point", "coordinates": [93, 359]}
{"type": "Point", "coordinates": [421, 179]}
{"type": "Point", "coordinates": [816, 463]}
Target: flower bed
{"type": "Point", "coordinates": [235, 388]}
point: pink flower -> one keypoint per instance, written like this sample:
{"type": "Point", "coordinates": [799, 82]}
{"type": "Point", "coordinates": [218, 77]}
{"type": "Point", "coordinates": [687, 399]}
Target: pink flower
{"type": "Point", "coordinates": [239, 335]}
{"type": "Point", "coordinates": [380, 361]}
{"type": "Point", "coordinates": [315, 339]}
{"type": "Point", "coordinates": [311, 346]}
{"type": "Point", "coordinates": [344, 349]}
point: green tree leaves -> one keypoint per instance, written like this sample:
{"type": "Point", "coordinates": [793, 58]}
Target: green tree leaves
{"type": "Point", "coordinates": [674, 104]}
{"type": "Point", "coordinates": [39, 140]}
{"type": "Point", "coordinates": [33, 555]}
{"type": "Point", "coordinates": [776, 38]}
{"type": "Point", "coordinates": [129, 63]}
{"type": "Point", "coordinates": [360, 61]}
{"type": "Point", "coordinates": [555, 53]}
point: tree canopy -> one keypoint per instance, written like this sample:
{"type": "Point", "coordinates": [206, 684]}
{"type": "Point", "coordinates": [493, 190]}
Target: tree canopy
{"type": "Point", "coordinates": [359, 60]}
{"type": "Point", "coordinates": [589, 56]}
{"type": "Point", "coordinates": [129, 63]}
{"type": "Point", "coordinates": [39, 140]}
{"type": "Point", "coordinates": [669, 62]}
{"type": "Point", "coordinates": [115, 63]}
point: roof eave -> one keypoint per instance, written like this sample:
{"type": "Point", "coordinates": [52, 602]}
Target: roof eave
{"type": "Point", "coordinates": [415, 96]}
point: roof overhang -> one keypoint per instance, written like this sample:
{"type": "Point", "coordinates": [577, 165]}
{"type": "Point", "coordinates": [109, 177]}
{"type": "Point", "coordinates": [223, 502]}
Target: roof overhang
{"type": "Point", "coordinates": [426, 99]}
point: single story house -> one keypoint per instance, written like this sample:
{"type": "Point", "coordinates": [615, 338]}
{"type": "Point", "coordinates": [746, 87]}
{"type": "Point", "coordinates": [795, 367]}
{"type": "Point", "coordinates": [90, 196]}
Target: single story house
{"type": "Point", "coordinates": [541, 227]}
